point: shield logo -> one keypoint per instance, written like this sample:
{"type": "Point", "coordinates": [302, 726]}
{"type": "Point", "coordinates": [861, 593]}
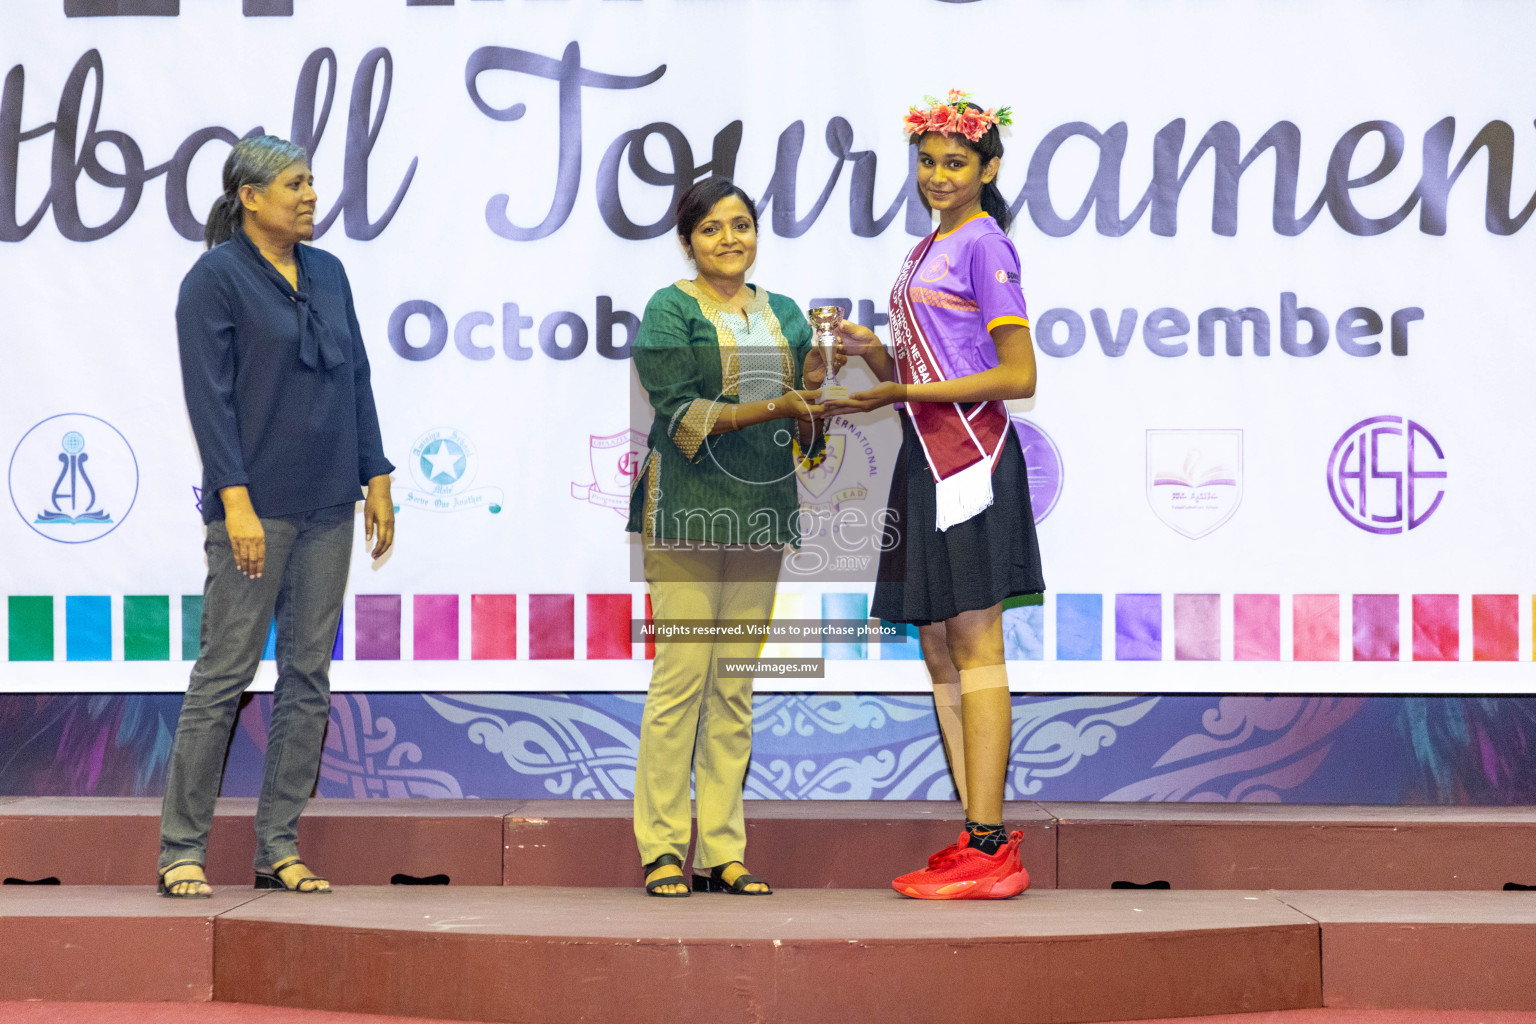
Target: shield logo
{"type": "Point", "coordinates": [1194, 478]}
{"type": "Point", "coordinates": [614, 460]}
{"type": "Point", "coordinates": [817, 481]}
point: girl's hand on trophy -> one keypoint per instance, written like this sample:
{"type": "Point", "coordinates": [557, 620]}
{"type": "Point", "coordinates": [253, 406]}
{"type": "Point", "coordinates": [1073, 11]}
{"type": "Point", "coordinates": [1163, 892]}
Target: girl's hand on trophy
{"type": "Point", "coordinates": [857, 339]}
{"type": "Point", "coordinates": [881, 394]}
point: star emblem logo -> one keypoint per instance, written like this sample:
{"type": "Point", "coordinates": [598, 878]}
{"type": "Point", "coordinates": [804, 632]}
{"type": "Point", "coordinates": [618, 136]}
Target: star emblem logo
{"type": "Point", "coordinates": [442, 461]}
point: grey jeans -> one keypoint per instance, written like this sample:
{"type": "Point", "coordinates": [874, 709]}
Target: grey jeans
{"type": "Point", "coordinates": [303, 582]}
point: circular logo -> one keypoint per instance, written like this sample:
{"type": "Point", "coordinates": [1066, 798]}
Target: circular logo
{"type": "Point", "coordinates": [443, 465]}
{"type": "Point", "coordinates": [1387, 474]}
{"type": "Point", "coordinates": [443, 461]}
{"type": "Point", "coordinates": [1002, 276]}
{"type": "Point", "coordinates": [936, 270]}
{"type": "Point", "coordinates": [1042, 460]}
{"type": "Point", "coordinates": [73, 478]}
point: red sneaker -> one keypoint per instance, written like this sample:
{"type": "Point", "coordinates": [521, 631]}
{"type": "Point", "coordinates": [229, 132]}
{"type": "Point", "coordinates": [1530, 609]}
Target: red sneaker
{"type": "Point", "coordinates": [945, 855]}
{"type": "Point", "coordinates": [961, 873]}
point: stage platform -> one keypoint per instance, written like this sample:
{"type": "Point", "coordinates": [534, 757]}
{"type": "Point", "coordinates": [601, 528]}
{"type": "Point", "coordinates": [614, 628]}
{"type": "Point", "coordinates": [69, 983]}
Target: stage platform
{"type": "Point", "coordinates": [532, 953]}
{"type": "Point", "coordinates": [538, 914]}
{"type": "Point", "coordinates": [805, 844]}
{"type": "Point", "coordinates": [1292, 846]}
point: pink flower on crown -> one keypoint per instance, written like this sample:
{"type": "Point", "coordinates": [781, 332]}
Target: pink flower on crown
{"type": "Point", "coordinates": [973, 124]}
{"type": "Point", "coordinates": [958, 115]}
{"type": "Point", "coordinates": [944, 119]}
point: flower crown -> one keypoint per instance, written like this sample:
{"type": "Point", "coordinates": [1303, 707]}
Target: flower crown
{"type": "Point", "coordinates": [957, 115]}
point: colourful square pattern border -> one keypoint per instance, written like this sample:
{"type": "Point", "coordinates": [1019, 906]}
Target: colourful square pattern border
{"type": "Point", "coordinates": [1062, 627]}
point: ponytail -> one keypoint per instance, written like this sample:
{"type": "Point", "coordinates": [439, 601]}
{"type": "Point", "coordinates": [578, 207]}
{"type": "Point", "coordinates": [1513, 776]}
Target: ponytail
{"type": "Point", "coordinates": [993, 203]}
{"type": "Point", "coordinates": [226, 215]}
{"type": "Point", "coordinates": [256, 160]}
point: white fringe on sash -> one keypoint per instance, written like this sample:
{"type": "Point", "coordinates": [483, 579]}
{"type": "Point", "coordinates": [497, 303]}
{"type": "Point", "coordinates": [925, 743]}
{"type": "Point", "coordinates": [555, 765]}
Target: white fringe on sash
{"type": "Point", "coordinates": [964, 495]}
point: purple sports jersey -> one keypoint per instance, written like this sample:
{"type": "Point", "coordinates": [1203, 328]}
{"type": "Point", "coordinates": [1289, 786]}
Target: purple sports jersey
{"type": "Point", "coordinates": [967, 285]}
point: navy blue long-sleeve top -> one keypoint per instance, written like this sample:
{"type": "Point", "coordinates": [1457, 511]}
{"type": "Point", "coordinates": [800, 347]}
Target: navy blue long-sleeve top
{"type": "Point", "coordinates": [277, 381]}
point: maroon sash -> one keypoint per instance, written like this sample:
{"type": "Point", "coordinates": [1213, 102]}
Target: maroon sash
{"type": "Point", "coordinates": [952, 439]}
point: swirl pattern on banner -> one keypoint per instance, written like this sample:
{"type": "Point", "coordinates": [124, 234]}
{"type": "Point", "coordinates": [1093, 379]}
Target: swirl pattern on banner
{"type": "Point", "coordinates": [362, 755]}
{"type": "Point", "coordinates": [1381, 750]}
{"type": "Point", "coordinates": [577, 751]}
{"type": "Point", "coordinates": [1253, 748]}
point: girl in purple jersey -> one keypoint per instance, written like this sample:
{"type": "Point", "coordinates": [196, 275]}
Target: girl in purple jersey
{"type": "Point", "coordinates": [959, 493]}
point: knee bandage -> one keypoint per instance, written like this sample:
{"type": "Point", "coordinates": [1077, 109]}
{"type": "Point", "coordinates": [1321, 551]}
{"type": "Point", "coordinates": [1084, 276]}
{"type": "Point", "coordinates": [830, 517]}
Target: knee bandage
{"type": "Point", "coordinates": [988, 677]}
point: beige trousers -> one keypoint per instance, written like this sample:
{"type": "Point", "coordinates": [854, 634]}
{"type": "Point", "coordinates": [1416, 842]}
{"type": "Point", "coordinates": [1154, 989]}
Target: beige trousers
{"type": "Point", "coordinates": [694, 718]}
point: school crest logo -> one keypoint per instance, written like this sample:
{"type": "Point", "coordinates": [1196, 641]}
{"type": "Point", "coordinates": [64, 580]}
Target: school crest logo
{"type": "Point", "coordinates": [73, 478]}
{"type": "Point", "coordinates": [443, 464]}
{"type": "Point", "coordinates": [614, 460]}
{"type": "Point", "coordinates": [837, 476]}
{"type": "Point", "coordinates": [1194, 478]}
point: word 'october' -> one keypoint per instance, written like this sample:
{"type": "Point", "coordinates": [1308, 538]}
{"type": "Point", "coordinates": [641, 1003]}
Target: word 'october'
{"type": "Point", "coordinates": [561, 335]}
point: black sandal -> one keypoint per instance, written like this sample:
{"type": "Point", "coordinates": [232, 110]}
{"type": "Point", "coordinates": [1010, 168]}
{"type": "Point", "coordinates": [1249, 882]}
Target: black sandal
{"type": "Point", "coordinates": [715, 882]}
{"type": "Point", "coordinates": [305, 886]}
{"type": "Point", "coordinates": [169, 890]}
{"type": "Point", "coordinates": [666, 860]}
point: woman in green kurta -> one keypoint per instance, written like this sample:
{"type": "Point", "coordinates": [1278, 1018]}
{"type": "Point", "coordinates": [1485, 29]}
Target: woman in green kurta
{"type": "Point", "coordinates": [732, 377]}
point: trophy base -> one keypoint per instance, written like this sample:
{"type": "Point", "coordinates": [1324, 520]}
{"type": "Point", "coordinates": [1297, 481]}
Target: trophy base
{"type": "Point", "coordinates": [833, 393]}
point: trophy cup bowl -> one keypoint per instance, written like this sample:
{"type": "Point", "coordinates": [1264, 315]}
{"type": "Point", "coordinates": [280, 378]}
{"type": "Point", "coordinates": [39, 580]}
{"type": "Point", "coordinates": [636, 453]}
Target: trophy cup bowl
{"type": "Point", "coordinates": [824, 321]}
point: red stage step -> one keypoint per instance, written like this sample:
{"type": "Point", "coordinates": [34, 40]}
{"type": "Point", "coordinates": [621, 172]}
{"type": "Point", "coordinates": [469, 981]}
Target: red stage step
{"type": "Point", "coordinates": [806, 844]}
{"type": "Point", "coordinates": [535, 953]}
{"type": "Point", "coordinates": [796, 844]}
{"type": "Point", "coordinates": [1429, 950]}
{"type": "Point", "coordinates": [116, 841]}
{"type": "Point", "coordinates": [1289, 846]}
{"type": "Point", "coordinates": [801, 956]}
{"type": "Point", "coordinates": [108, 943]}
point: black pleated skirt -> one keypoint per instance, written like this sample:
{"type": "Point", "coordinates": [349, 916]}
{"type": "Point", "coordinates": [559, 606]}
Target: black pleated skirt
{"type": "Point", "coordinates": [929, 576]}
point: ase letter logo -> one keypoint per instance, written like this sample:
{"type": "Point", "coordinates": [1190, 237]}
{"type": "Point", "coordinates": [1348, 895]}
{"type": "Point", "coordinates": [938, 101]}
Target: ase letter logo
{"type": "Point", "coordinates": [73, 478]}
{"type": "Point", "coordinates": [1387, 474]}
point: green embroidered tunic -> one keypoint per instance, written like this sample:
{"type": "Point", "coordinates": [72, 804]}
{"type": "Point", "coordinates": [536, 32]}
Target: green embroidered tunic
{"type": "Point", "coordinates": [695, 358]}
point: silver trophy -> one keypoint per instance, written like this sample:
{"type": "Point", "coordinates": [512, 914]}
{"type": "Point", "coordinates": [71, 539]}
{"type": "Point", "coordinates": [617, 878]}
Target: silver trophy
{"type": "Point", "coordinates": [824, 321]}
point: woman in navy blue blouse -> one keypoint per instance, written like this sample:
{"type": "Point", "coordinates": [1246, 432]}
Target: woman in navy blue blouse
{"type": "Point", "coordinates": [277, 388]}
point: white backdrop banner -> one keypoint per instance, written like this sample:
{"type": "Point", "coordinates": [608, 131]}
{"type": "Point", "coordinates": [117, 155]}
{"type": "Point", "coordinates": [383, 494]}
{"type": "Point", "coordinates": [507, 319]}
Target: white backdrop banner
{"type": "Point", "coordinates": [1277, 258]}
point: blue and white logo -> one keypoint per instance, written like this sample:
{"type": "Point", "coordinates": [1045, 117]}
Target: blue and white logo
{"type": "Point", "coordinates": [443, 464]}
{"type": "Point", "coordinates": [73, 478]}
{"type": "Point", "coordinates": [443, 461]}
